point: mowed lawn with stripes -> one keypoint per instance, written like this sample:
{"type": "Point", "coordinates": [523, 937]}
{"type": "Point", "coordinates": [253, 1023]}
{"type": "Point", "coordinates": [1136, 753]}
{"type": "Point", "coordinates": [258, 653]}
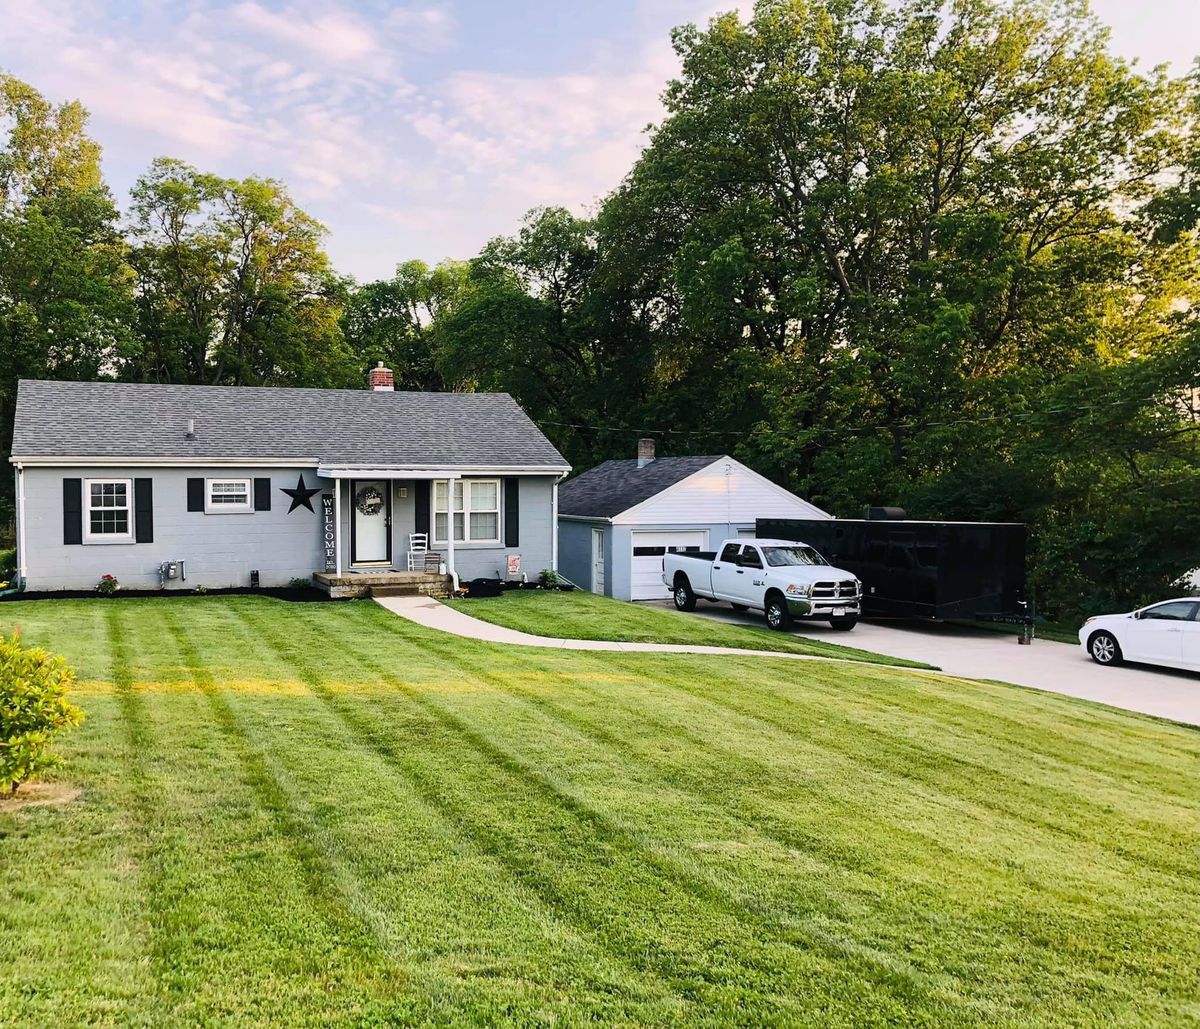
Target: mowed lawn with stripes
{"type": "Point", "coordinates": [319, 814]}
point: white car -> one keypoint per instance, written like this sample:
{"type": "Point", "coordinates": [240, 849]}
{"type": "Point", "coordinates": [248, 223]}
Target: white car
{"type": "Point", "coordinates": [1165, 634]}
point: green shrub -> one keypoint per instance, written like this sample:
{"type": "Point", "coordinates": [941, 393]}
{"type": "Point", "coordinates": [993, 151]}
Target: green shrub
{"type": "Point", "coordinates": [300, 583]}
{"type": "Point", "coordinates": [108, 585]}
{"type": "Point", "coordinates": [8, 562]}
{"type": "Point", "coordinates": [33, 708]}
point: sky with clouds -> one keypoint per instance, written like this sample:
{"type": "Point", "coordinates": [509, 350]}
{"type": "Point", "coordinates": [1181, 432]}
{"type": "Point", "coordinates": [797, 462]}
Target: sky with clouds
{"type": "Point", "coordinates": [415, 129]}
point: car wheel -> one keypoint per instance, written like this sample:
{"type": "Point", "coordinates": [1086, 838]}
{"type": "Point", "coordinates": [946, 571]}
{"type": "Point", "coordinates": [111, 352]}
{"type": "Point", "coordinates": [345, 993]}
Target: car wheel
{"type": "Point", "coordinates": [777, 614]}
{"type": "Point", "coordinates": [738, 607]}
{"type": "Point", "coordinates": [1104, 648]}
{"type": "Point", "coordinates": [685, 599]}
{"type": "Point", "coordinates": [843, 624]}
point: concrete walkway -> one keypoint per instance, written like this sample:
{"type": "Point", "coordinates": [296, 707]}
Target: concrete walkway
{"type": "Point", "coordinates": [435, 615]}
{"type": "Point", "coordinates": [972, 653]}
{"type": "Point", "coordinates": [961, 652]}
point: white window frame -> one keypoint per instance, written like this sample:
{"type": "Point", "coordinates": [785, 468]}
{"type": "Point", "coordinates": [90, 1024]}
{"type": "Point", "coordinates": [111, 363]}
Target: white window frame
{"type": "Point", "coordinates": [107, 537]}
{"type": "Point", "coordinates": [468, 491]}
{"type": "Point", "coordinates": [211, 508]}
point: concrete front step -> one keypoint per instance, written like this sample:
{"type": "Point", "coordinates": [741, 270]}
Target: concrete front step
{"type": "Point", "coordinates": [397, 584]}
{"type": "Point", "coordinates": [441, 588]}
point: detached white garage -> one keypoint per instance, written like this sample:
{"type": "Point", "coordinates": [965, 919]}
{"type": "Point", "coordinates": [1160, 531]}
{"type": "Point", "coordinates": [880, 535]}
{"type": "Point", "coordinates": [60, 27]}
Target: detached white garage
{"type": "Point", "coordinates": [617, 521]}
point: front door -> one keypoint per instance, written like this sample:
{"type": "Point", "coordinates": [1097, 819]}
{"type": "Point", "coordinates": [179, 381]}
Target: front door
{"type": "Point", "coordinates": [371, 522]}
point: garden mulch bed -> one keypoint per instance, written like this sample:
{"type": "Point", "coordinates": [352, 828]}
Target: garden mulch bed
{"type": "Point", "coordinates": [305, 596]}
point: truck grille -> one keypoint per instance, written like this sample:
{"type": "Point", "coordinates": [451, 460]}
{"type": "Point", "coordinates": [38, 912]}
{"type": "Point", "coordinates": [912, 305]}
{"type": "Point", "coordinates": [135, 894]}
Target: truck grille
{"type": "Point", "coordinates": [831, 589]}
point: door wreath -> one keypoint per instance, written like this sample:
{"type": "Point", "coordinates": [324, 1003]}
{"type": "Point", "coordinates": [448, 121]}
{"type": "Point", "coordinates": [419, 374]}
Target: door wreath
{"type": "Point", "coordinates": [368, 500]}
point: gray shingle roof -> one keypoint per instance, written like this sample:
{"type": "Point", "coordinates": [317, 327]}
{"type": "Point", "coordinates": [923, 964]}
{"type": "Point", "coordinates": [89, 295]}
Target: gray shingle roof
{"type": "Point", "coordinates": [334, 426]}
{"type": "Point", "coordinates": [616, 486]}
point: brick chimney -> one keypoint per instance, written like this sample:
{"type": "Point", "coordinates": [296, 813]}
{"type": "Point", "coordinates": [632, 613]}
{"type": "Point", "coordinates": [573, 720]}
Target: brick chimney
{"type": "Point", "coordinates": [645, 452]}
{"type": "Point", "coordinates": [380, 378]}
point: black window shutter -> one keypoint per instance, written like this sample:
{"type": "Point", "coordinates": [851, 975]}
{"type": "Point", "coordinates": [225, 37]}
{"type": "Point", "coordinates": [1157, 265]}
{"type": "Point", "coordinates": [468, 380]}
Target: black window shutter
{"type": "Point", "coordinates": [512, 512]}
{"type": "Point", "coordinates": [422, 502]}
{"type": "Point", "coordinates": [195, 494]}
{"type": "Point", "coordinates": [72, 511]}
{"type": "Point", "coordinates": [143, 510]}
{"type": "Point", "coordinates": [262, 494]}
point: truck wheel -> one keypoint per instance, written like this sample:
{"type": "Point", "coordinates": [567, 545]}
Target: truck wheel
{"type": "Point", "coordinates": [738, 607]}
{"type": "Point", "coordinates": [777, 614]}
{"type": "Point", "coordinates": [1104, 648]}
{"type": "Point", "coordinates": [844, 624]}
{"type": "Point", "coordinates": [685, 599]}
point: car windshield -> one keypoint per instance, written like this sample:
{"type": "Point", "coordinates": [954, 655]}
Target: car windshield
{"type": "Point", "coordinates": [784, 557]}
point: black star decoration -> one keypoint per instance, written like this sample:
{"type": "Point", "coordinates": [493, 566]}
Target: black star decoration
{"type": "Point", "coordinates": [301, 495]}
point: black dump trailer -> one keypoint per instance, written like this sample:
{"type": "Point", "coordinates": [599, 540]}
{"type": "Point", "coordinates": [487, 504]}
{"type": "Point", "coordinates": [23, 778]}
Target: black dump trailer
{"type": "Point", "coordinates": [915, 569]}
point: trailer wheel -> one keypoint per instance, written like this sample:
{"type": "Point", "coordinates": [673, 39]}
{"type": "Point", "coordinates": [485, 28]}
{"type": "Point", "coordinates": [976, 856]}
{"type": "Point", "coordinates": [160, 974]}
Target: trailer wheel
{"type": "Point", "coordinates": [685, 598]}
{"type": "Point", "coordinates": [844, 624]}
{"type": "Point", "coordinates": [777, 614]}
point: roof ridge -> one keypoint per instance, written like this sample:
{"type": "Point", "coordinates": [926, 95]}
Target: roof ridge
{"type": "Point", "coordinates": [348, 390]}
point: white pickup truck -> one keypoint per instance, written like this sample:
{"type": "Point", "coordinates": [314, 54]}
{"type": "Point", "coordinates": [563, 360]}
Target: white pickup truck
{"type": "Point", "coordinates": [781, 578]}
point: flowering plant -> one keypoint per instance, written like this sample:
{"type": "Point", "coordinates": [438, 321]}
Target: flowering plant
{"type": "Point", "coordinates": [107, 585]}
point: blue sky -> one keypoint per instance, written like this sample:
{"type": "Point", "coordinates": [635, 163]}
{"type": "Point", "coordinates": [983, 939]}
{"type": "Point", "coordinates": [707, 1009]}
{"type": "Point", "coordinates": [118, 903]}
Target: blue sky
{"type": "Point", "coordinates": [414, 129]}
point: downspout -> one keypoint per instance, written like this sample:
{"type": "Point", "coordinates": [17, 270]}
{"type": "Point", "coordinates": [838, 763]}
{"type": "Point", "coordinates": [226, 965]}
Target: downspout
{"type": "Point", "coordinates": [554, 523]}
{"type": "Point", "coordinates": [19, 585]}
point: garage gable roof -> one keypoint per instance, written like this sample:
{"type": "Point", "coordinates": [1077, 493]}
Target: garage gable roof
{"type": "Point", "coordinates": [615, 486]}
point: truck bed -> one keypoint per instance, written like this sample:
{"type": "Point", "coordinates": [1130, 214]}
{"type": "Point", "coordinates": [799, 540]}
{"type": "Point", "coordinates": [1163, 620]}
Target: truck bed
{"type": "Point", "coordinates": [700, 555]}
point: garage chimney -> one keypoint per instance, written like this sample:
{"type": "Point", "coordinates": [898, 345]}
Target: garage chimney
{"type": "Point", "coordinates": [645, 452]}
{"type": "Point", "coordinates": [380, 378]}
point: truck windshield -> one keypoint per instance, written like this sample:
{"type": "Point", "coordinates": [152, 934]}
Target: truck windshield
{"type": "Point", "coordinates": [783, 557]}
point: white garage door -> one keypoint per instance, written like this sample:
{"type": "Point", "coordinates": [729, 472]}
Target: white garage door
{"type": "Point", "coordinates": [648, 550]}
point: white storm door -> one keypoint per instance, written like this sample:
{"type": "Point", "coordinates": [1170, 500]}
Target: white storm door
{"type": "Point", "coordinates": [649, 549]}
{"type": "Point", "coordinates": [370, 502]}
{"type": "Point", "coordinates": [597, 560]}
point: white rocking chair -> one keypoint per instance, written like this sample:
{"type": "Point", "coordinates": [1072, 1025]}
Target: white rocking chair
{"type": "Point", "coordinates": [418, 547]}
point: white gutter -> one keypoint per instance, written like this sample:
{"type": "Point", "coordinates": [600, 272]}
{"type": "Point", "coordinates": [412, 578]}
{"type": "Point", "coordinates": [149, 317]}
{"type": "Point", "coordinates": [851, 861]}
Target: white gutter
{"type": "Point", "coordinates": [430, 471]}
{"type": "Point", "coordinates": [585, 518]}
{"type": "Point", "coordinates": [109, 461]}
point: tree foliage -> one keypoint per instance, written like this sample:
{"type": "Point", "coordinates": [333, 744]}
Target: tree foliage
{"type": "Point", "coordinates": [399, 320]}
{"type": "Point", "coordinates": [233, 285]}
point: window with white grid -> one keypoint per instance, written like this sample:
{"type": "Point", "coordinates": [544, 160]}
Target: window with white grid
{"type": "Point", "coordinates": [109, 514]}
{"type": "Point", "coordinates": [227, 496]}
{"type": "Point", "coordinates": [476, 510]}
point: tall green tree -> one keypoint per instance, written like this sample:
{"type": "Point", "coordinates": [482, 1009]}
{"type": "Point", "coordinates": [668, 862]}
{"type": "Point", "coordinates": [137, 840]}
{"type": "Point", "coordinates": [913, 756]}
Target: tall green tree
{"type": "Point", "coordinates": [398, 320]}
{"type": "Point", "coordinates": [877, 235]}
{"type": "Point", "coordinates": [65, 284]}
{"type": "Point", "coordinates": [538, 320]}
{"type": "Point", "coordinates": [233, 284]}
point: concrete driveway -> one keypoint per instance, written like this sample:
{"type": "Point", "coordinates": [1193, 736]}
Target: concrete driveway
{"type": "Point", "coordinates": [980, 654]}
